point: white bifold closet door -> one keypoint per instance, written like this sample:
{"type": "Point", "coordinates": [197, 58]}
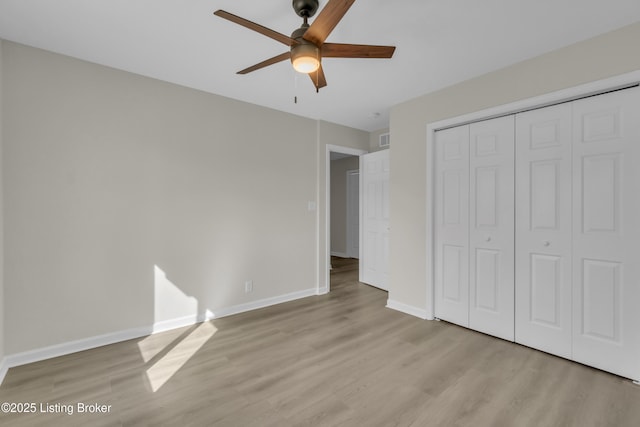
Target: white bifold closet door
{"type": "Point", "coordinates": [543, 229]}
{"type": "Point", "coordinates": [606, 232]}
{"type": "Point", "coordinates": [452, 225]}
{"type": "Point", "coordinates": [578, 231]}
{"type": "Point", "coordinates": [474, 240]}
{"type": "Point", "coordinates": [491, 227]}
{"type": "Point", "coordinates": [571, 286]}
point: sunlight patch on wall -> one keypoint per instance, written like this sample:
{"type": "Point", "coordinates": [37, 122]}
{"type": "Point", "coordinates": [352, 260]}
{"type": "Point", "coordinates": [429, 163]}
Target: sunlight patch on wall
{"type": "Point", "coordinates": [170, 302]}
{"type": "Point", "coordinates": [167, 366]}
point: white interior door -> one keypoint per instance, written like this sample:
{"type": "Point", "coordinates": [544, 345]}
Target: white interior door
{"type": "Point", "coordinates": [353, 214]}
{"type": "Point", "coordinates": [451, 218]}
{"type": "Point", "coordinates": [491, 227]}
{"type": "Point", "coordinates": [374, 248]}
{"type": "Point", "coordinates": [543, 229]}
{"type": "Point", "coordinates": [606, 232]}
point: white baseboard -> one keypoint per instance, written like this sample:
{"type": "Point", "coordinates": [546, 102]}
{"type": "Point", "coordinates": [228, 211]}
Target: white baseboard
{"type": "Point", "coordinates": [339, 254]}
{"type": "Point", "coordinates": [57, 350]}
{"type": "Point", "coordinates": [254, 305]}
{"type": "Point", "coordinates": [3, 369]}
{"type": "Point", "coordinates": [167, 325]}
{"type": "Point", "coordinates": [408, 309]}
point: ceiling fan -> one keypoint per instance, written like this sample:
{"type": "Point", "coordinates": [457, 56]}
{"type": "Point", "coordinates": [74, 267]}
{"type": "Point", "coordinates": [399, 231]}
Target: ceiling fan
{"type": "Point", "coordinates": [307, 46]}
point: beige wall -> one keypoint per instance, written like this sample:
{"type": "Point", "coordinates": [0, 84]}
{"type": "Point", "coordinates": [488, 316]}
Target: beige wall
{"type": "Point", "coordinates": [130, 201]}
{"type": "Point", "coordinates": [338, 207]}
{"type": "Point", "coordinates": [601, 57]}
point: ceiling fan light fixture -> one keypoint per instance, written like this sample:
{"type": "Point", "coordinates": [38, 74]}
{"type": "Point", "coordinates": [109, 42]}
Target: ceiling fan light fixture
{"type": "Point", "coordinates": [305, 58]}
{"type": "Point", "coordinates": [307, 43]}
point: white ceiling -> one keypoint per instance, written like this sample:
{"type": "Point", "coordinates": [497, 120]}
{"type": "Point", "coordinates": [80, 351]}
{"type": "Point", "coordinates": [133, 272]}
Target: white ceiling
{"type": "Point", "coordinates": [439, 43]}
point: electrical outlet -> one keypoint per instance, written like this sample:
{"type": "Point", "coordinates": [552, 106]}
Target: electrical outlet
{"type": "Point", "coordinates": [248, 286]}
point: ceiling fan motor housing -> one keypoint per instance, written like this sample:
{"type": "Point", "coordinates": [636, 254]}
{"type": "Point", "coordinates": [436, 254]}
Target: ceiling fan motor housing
{"type": "Point", "coordinates": [304, 49]}
{"type": "Point", "coordinates": [305, 8]}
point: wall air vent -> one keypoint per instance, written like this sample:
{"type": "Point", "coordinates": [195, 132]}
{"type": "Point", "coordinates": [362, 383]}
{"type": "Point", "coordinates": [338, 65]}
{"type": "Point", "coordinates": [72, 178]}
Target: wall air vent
{"type": "Point", "coordinates": [385, 140]}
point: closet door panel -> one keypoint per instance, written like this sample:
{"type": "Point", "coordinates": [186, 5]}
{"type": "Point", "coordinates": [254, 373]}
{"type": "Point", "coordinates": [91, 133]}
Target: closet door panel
{"type": "Point", "coordinates": [606, 228]}
{"type": "Point", "coordinates": [452, 225]}
{"type": "Point", "coordinates": [491, 234]}
{"type": "Point", "coordinates": [543, 229]}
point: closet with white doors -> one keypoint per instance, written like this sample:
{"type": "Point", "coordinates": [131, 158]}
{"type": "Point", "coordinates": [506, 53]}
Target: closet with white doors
{"type": "Point", "coordinates": [537, 229]}
{"type": "Point", "coordinates": [475, 213]}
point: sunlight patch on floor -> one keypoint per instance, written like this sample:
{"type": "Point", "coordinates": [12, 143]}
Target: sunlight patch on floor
{"type": "Point", "coordinates": [153, 345]}
{"type": "Point", "coordinates": [168, 365]}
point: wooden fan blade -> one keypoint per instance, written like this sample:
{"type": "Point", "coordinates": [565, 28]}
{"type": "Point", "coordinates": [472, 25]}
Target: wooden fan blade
{"type": "Point", "coordinates": [266, 63]}
{"type": "Point", "coordinates": [256, 27]}
{"type": "Point", "coordinates": [318, 79]}
{"type": "Point", "coordinates": [341, 50]}
{"type": "Point", "coordinates": [327, 21]}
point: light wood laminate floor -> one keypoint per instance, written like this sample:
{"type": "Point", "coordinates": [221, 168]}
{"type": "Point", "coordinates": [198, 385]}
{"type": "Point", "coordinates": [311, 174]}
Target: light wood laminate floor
{"type": "Point", "coordinates": [340, 359]}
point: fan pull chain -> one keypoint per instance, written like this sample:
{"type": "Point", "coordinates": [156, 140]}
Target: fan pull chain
{"type": "Point", "coordinates": [295, 87]}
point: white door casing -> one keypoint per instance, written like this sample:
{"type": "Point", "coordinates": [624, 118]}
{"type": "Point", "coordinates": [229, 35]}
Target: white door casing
{"type": "Point", "coordinates": [324, 242]}
{"type": "Point", "coordinates": [491, 227]}
{"type": "Point", "coordinates": [451, 231]}
{"type": "Point", "coordinates": [374, 224]}
{"type": "Point", "coordinates": [606, 232]}
{"type": "Point", "coordinates": [543, 229]}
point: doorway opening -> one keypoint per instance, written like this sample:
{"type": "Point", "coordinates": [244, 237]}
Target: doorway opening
{"type": "Point", "coordinates": [345, 221]}
{"type": "Point", "coordinates": [342, 208]}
